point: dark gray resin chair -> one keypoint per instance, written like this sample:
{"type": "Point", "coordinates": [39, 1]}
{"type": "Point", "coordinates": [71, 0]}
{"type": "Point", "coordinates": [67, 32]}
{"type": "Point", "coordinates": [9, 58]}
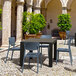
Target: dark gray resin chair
{"type": "Point", "coordinates": [12, 47]}
{"type": "Point", "coordinates": [44, 45]}
{"type": "Point", "coordinates": [34, 46]}
{"type": "Point", "coordinates": [67, 36]}
{"type": "Point", "coordinates": [65, 50]}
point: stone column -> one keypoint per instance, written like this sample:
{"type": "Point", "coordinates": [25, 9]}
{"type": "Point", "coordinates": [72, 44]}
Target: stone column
{"type": "Point", "coordinates": [20, 6]}
{"type": "Point", "coordinates": [37, 6]}
{"type": "Point", "coordinates": [6, 21]}
{"type": "Point", "coordinates": [37, 10]}
{"type": "Point", "coordinates": [64, 10]}
{"type": "Point", "coordinates": [64, 6]}
{"type": "Point", "coordinates": [29, 5]}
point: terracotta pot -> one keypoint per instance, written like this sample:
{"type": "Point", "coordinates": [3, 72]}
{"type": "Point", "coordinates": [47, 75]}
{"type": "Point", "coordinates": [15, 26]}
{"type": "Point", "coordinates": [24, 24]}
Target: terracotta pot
{"type": "Point", "coordinates": [62, 35]}
{"type": "Point", "coordinates": [27, 36]}
{"type": "Point", "coordinates": [38, 35]}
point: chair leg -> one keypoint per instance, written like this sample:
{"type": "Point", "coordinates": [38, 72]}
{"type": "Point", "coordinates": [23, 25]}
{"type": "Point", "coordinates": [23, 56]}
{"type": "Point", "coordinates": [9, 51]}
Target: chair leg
{"type": "Point", "coordinates": [12, 54]}
{"type": "Point", "coordinates": [65, 42]}
{"type": "Point", "coordinates": [37, 64]}
{"type": "Point", "coordinates": [70, 57]}
{"type": "Point", "coordinates": [72, 41]}
{"type": "Point", "coordinates": [7, 56]}
{"type": "Point", "coordinates": [41, 50]}
{"type": "Point", "coordinates": [23, 62]}
{"type": "Point", "coordinates": [57, 56]}
{"type": "Point", "coordinates": [41, 60]}
{"type": "Point", "coordinates": [48, 52]}
{"type": "Point", "coordinates": [29, 62]}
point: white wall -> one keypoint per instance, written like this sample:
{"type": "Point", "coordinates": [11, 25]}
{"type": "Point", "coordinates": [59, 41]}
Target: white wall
{"type": "Point", "coordinates": [73, 16]}
{"type": "Point", "coordinates": [54, 8]}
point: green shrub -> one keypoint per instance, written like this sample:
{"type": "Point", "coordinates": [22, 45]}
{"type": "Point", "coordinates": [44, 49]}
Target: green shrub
{"type": "Point", "coordinates": [33, 23]}
{"type": "Point", "coordinates": [64, 22]}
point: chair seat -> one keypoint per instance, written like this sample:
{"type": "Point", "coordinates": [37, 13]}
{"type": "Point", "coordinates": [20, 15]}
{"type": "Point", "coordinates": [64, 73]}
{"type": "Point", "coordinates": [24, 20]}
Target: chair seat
{"type": "Point", "coordinates": [32, 54]}
{"type": "Point", "coordinates": [44, 45]}
{"type": "Point", "coordinates": [16, 48]}
{"type": "Point", "coordinates": [63, 50]}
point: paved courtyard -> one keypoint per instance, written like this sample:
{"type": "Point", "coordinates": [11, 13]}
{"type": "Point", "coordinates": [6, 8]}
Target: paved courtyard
{"type": "Point", "coordinates": [63, 67]}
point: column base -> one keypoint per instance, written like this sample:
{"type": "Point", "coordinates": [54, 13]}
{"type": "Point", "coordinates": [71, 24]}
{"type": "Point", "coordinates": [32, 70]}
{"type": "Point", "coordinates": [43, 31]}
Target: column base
{"type": "Point", "coordinates": [4, 46]}
{"type": "Point", "coordinates": [18, 42]}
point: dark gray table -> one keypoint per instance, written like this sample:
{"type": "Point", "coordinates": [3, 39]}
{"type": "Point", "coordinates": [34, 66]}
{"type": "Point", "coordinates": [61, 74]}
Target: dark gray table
{"type": "Point", "coordinates": [44, 41]}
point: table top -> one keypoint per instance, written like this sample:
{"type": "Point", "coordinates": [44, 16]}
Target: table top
{"type": "Point", "coordinates": [40, 40]}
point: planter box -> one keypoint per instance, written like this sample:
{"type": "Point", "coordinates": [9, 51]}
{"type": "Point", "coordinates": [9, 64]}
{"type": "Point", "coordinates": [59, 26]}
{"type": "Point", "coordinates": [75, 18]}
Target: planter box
{"type": "Point", "coordinates": [27, 36]}
{"type": "Point", "coordinates": [38, 35]}
{"type": "Point", "coordinates": [30, 36]}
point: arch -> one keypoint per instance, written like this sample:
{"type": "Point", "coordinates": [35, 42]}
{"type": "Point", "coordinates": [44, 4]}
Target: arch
{"type": "Point", "coordinates": [48, 1]}
{"type": "Point", "coordinates": [69, 3]}
{"type": "Point", "coordinates": [45, 1]}
{"type": "Point", "coordinates": [51, 12]}
{"type": "Point", "coordinates": [13, 18]}
{"type": "Point", "coordinates": [43, 9]}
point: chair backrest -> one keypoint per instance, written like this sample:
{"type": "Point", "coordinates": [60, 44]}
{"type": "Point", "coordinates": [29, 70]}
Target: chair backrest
{"type": "Point", "coordinates": [31, 45]}
{"type": "Point", "coordinates": [45, 36]}
{"type": "Point", "coordinates": [69, 43]}
{"type": "Point", "coordinates": [12, 41]}
{"type": "Point", "coordinates": [67, 34]}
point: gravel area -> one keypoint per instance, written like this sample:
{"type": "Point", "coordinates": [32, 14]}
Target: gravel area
{"type": "Point", "coordinates": [63, 67]}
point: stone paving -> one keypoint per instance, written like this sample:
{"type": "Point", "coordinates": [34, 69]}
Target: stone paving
{"type": "Point", "coordinates": [63, 67]}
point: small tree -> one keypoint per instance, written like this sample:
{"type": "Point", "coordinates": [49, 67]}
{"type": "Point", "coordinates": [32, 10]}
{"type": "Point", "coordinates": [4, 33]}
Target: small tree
{"type": "Point", "coordinates": [64, 22]}
{"type": "Point", "coordinates": [33, 23]}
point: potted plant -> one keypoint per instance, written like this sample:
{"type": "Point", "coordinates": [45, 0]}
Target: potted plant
{"type": "Point", "coordinates": [33, 23]}
{"type": "Point", "coordinates": [64, 23]}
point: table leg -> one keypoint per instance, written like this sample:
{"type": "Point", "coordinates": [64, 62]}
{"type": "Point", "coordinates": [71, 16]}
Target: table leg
{"type": "Point", "coordinates": [31, 51]}
{"type": "Point", "coordinates": [21, 53]}
{"type": "Point", "coordinates": [55, 48]}
{"type": "Point", "coordinates": [75, 39]}
{"type": "Point", "coordinates": [50, 54]}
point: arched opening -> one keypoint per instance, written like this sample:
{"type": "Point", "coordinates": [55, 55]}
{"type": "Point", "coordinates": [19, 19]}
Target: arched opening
{"type": "Point", "coordinates": [43, 11]}
{"type": "Point", "coordinates": [72, 12]}
{"type": "Point", "coordinates": [25, 6]}
{"type": "Point", "coordinates": [13, 18]}
{"type": "Point", "coordinates": [53, 9]}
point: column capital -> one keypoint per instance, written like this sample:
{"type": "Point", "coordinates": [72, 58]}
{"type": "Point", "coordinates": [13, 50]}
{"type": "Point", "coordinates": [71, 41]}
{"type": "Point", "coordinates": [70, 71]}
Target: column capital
{"type": "Point", "coordinates": [37, 8]}
{"type": "Point", "coordinates": [64, 10]}
{"type": "Point", "coordinates": [20, 2]}
{"type": "Point", "coordinates": [28, 5]}
{"type": "Point", "coordinates": [29, 2]}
